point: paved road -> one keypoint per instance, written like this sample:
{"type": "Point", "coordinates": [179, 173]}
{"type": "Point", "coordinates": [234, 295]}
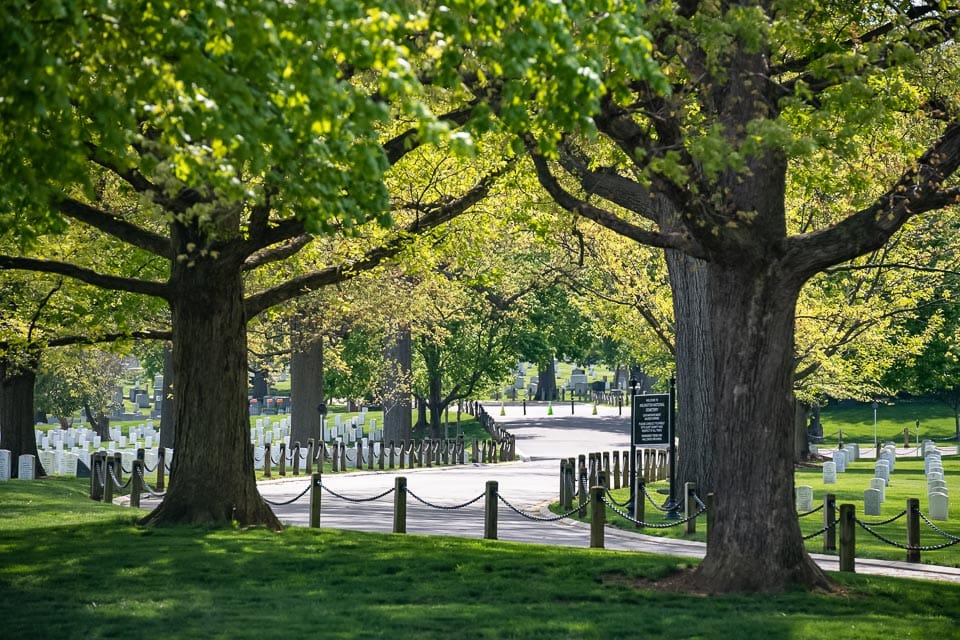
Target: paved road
{"type": "Point", "coordinates": [542, 440]}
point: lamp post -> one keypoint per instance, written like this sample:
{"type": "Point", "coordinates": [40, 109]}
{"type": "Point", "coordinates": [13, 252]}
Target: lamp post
{"type": "Point", "coordinates": [673, 504]}
{"type": "Point", "coordinates": [875, 405]}
{"type": "Point", "coordinates": [322, 410]}
{"type": "Point", "coordinates": [633, 449]}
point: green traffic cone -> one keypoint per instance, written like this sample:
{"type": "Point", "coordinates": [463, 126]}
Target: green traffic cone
{"type": "Point", "coordinates": [502, 411]}
{"type": "Point", "coordinates": [550, 408]}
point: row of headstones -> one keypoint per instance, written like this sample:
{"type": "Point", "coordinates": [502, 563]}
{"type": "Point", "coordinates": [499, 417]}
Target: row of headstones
{"type": "Point", "coordinates": [937, 494]}
{"type": "Point", "coordinates": [839, 461]}
{"type": "Point", "coordinates": [70, 463]}
{"type": "Point", "coordinates": [82, 437]}
{"type": "Point", "coordinates": [348, 433]}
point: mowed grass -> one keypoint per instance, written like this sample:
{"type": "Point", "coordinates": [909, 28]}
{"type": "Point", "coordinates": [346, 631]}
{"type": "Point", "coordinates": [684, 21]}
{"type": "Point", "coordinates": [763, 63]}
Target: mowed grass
{"type": "Point", "coordinates": [71, 568]}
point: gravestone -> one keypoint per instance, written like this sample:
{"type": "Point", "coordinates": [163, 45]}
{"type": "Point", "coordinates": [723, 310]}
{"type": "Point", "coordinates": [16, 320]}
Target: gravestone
{"type": "Point", "coordinates": [840, 460]}
{"type": "Point", "coordinates": [871, 502]}
{"type": "Point", "coordinates": [882, 470]}
{"type": "Point", "coordinates": [937, 486]}
{"type": "Point", "coordinates": [938, 509]}
{"type": "Point", "coordinates": [47, 461]}
{"type": "Point", "coordinates": [891, 458]}
{"type": "Point", "coordinates": [5, 460]}
{"type": "Point", "coordinates": [25, 467]}
{"type": "Point", "coordinates": [934, 475]}
{"type": "Point", "coordinates": [83, 467]}
{"type": "Point", "coordinates": [804, 498]}
{"type": "Point", "coordinates": [829, 473]}
{"type": "Point", "coordinates": [70, 463]}
{"type": "Point", "coordinates": [880, 485]}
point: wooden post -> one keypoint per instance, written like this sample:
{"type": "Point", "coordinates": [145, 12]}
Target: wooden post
{"type": "Point", "coordinates": [308, 468]}
{"type": "Point", "coordinates": [161, 467]}
{"type": "Point", "coordinates": [627, 465]}
{"type": "Point", "coordinates": [639, 501]}
{"type": "Point", "coordinates": [315, 499]}
{"type": "Point", "coordinates": [359, 465]}
{"type": "Point", "coordinates": [570, 486]}
{"type": "Point", "coordinates": [136, 483]}
{"type": "Point", "coordinates": [582, 494]}
{"type": "Point", "coordinates": [370, 455]}
{"type": "Point", "coordinates": [282, 451]}
{"type": "Point", "coordinates": [400, 505]}
{"type": "Point", "coordinates": [913, 529]}
{"type": "Point", "coordinates": [848, 537]}
{"type": "Point", "coordinates": [606, 467]}
{"type": "Point", "coordinates": [490, 510]}
{"type": "Point", "coordinates": [690, 507]}
{"type": "Point", "coordinates": [343, 456]}
{"type": "Point", "coordinates": [462, 446]}
{"type": "Point", "coordinates": [267, 460]}
{"type": "Point", "coordinates": [118, 468]}
{"type": "Point", "coordinates": [380, 456]}
{"type": "Point", "coordinates": [427, 448]}
{"type": "Point", "coordinates": [829, 521]}
{"type": "Point", "coordinates": [108, 479]}
{"type": "Point", "coordinates": [296, 458]}
{"type": "Point", "coordinates": [475, 453]}
{"type": "Point", "coordinates": [563, 482]}
{"type": "Point", "coordinates": [598, 516]}
{"type": "Point", "coordinates": [616, 469]}
{"type": "Point", "coordinates": [602, 478]}
{"type": "Point", "coordinates": [393, 455]}
{"type": "Point", "coordinates": [96, 470]}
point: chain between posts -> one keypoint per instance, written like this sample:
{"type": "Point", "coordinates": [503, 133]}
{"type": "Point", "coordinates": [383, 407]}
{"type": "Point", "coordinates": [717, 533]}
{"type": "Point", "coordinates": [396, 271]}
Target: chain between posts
{"type": "Point", "coordinates": [153, 492]}
{"type": "Point", "coordinates": [442, 506]}
{"type": "Point", "coordinates": [811, 512]}
{"type": "Point", "coordinates": [348, 499]}
{"type": "Point", "coordinates": [529, 516]}
{"type": "Point", "coordinates": [292, 500]}
{"type": "Point", "coordinates": [900, 545]}
{"type": "Point", "coordinates": [883, 522]}
{"type": "Point", "coordinates": [650, 498]}
{"type": "Point", "coordinates": [116, 480]}
{"type": "Point", "coordinates": [937, 529]}
{"type": "Point", "coordinates": [667, 525]}
{"type": "Point", "coordinates": [611, 499]}
{"type": "Point", "coordinates": [817, 533]}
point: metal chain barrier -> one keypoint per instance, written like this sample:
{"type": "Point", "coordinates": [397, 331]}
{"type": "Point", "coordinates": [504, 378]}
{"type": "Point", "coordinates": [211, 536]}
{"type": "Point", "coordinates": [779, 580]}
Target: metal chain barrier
{"type": "Point", "coordinates": [441, 506]}
{"type": "Point", "coordinates": [611, 499]}
{"type": "Point", "coordinates": [147, 467]}
{"type": "Point", "coordinates": [811, 512]}
{"type": "Point", "coordinates": [936, 528]}
{"type": "Point", "coordinates": [530, 516]}
{"type": "Point", "coordinates": [816, 533]}
{"type": "Point", "coordinates": [116, 480]}
{"type": "Point", "coordinates": [888, 521]}
{"type": "Point", "coordinates": [665, 525]}
{"type": "Point", "coordinates": [650, 498]}
{"type": "Point", "coordinates": [348, 499]}
{"type": "Point", "coordinates": [153, 492]}
{"type": "Point", "coordinates": [904, 546]}
{"type": "Point", "coordinates": [290, 501]}
{"type": "Point", "coordinates": [126, 471]}
{"type": "Point", "coordinates": [99, 475]}
{"type": "Point", "coordinates": [700, 503]}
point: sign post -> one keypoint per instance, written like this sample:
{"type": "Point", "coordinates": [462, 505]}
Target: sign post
{"type": "Point", "coordinates": [652, 417]}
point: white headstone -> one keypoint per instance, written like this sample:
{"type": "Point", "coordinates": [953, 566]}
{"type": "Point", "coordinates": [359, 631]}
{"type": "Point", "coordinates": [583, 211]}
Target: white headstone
{"type": "Point", "coordinates": [934, 475]}
{"type": "Point", "coordinates": [939, 508]}
{"type": "Point", "coordinates": [880, 485]}
{"type": "Point", "coordinates": [25, 467]}
{"type": "Point", "coordinates": [69, 467]}
{"type": "Point", "coordinates": [882, 470]}
{"type": "Point", "coordinates": [840, 460]}
{"type": "Point", "coordinates": [871, 502]}
{"type": "Point", "coordinates": [5, 460]}
{"type": "Point", "coordinates": [47, 461]}
{"type": "Point", "coordinates": [804, 498]}
{"type": "Point", "coordinates": [938, 486]}
{"type": "Point", "coordinates": [829, 473]}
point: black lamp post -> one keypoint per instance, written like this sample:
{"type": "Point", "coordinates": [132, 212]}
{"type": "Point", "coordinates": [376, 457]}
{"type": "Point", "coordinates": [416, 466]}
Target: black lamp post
{"type": "Point", "coordinates": [672, 503]}
{"type": "Point", "coordinates": [633, 450]}
{"type": "Point", "coordinates": [322, 410]}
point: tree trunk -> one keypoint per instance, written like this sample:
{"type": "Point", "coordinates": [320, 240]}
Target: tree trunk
{"type": "Point", "coordinates": [801, 443]}
{"type": "Point", "coordinates": [754, 541]}
{"type": "Point", "coordinates": [16, 412]}
{"type": "Point", "coordinates": [546, 380]}
{"type": "Point", "coordinates": [694, 361]}
{"type": "Point", "coordinates": [306, 385]}
{"type": "Point", "coordinates": [422, 420]}
{"type": "Point", "coordinates": [212, 478]}
{"type": "Point", "coordinates": [168, 428]}
{"type": "Point", "coordinates": [397, 415]}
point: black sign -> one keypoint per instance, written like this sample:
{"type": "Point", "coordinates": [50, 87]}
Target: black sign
{"type": "Point", "coordinates": [651, 419]}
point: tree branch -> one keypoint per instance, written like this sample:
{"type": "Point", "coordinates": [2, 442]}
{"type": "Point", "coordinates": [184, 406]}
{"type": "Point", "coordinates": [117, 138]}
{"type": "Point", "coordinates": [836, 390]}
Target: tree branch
{"type": "Point", "coordinates": [286, 250]}
{"type": "Point", "coordinates": [114, 226]}
{"type": "Point", "coordinates": [146, 334]}
{"type": "Point", "coordinates": [104, 281]}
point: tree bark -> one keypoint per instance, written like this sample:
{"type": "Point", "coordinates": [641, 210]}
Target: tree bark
{"type": "Point", "coordinates": [694, 361]}
{"type": "Point", "coordinates": [546, 380]}
{"type": "Point", "coordinates": [397, 415]}
{"type": "Point", "coordinates": [168, 428]}
{"type": "Point", "coordinates": [212, 477]}
{"type": "Point", "coordinates": [17, 380]}
{"type": "Point", "coordinates": [801, 443]}
{"type": "Point", "coordinates": [754, 541]}
{"type": "Point", "coordinates": [306, 385]}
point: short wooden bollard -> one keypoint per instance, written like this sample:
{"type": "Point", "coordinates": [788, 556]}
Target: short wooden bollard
{"type": "Point", "coordinates": [267, 460]}
{"type": "Point", "coordinates": [400, 505]}
{"type": "Point", "coordinates": [848, 537]}
{"type": "Point", "coordinates": [913, 529]}
{"type": "Point", "coordinates": [96, 471]}
{"type": "Point", "coordinates": [136, 483]}
{"type": "Point", "coordinates": [639, 502]}
{"type": "Point", "coordinates": [690, 507]}
{"type": "Point", "coordinates": [380, 456]}
{"type": "Point", "coordinates": [161, 468]}
{"type": "Point", "coordinates": [296, 459]}
{"type": "Point", "coordinates": [370, 455]}
{"type": "Point", "coordinates": [316, 496]}
{"type": "Point", "coordinates": [829, 521]}
{"type": "Point", "coordinates": [616, 469]}
{"type": "Point", "coordinates": [108, 479]}
{"type": "Point", "coordinates": [490, 510]}
{"type": "Point", "coordinates": [118, 468]}
{"type": "Point", "coordinates": [343, 456]}
{"type": "Point", "coordinates": [563, 482]}
{"type": "Point", "coordinates": [606, 467]}
{"type": "Point", "coordinates": [308, 466]}
{"type": "Point", "coordinates": [393, 454]}
{"type": "Point", "coordinates": [282, 470]}
{"type": "Point", "coordinates": [570, 487]}
{"type": "Point", "coordinates": [598, 517]}
{"type": "Point", "coordinates": [625, 480]}
{"type": "Point", "coordinates": [582, 495]}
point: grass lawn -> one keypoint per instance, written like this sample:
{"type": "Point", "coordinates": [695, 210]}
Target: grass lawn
{"type": "Point", "coordinates": [71, 568]}
{"type": "Point", "coordinates": [856, 420]}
